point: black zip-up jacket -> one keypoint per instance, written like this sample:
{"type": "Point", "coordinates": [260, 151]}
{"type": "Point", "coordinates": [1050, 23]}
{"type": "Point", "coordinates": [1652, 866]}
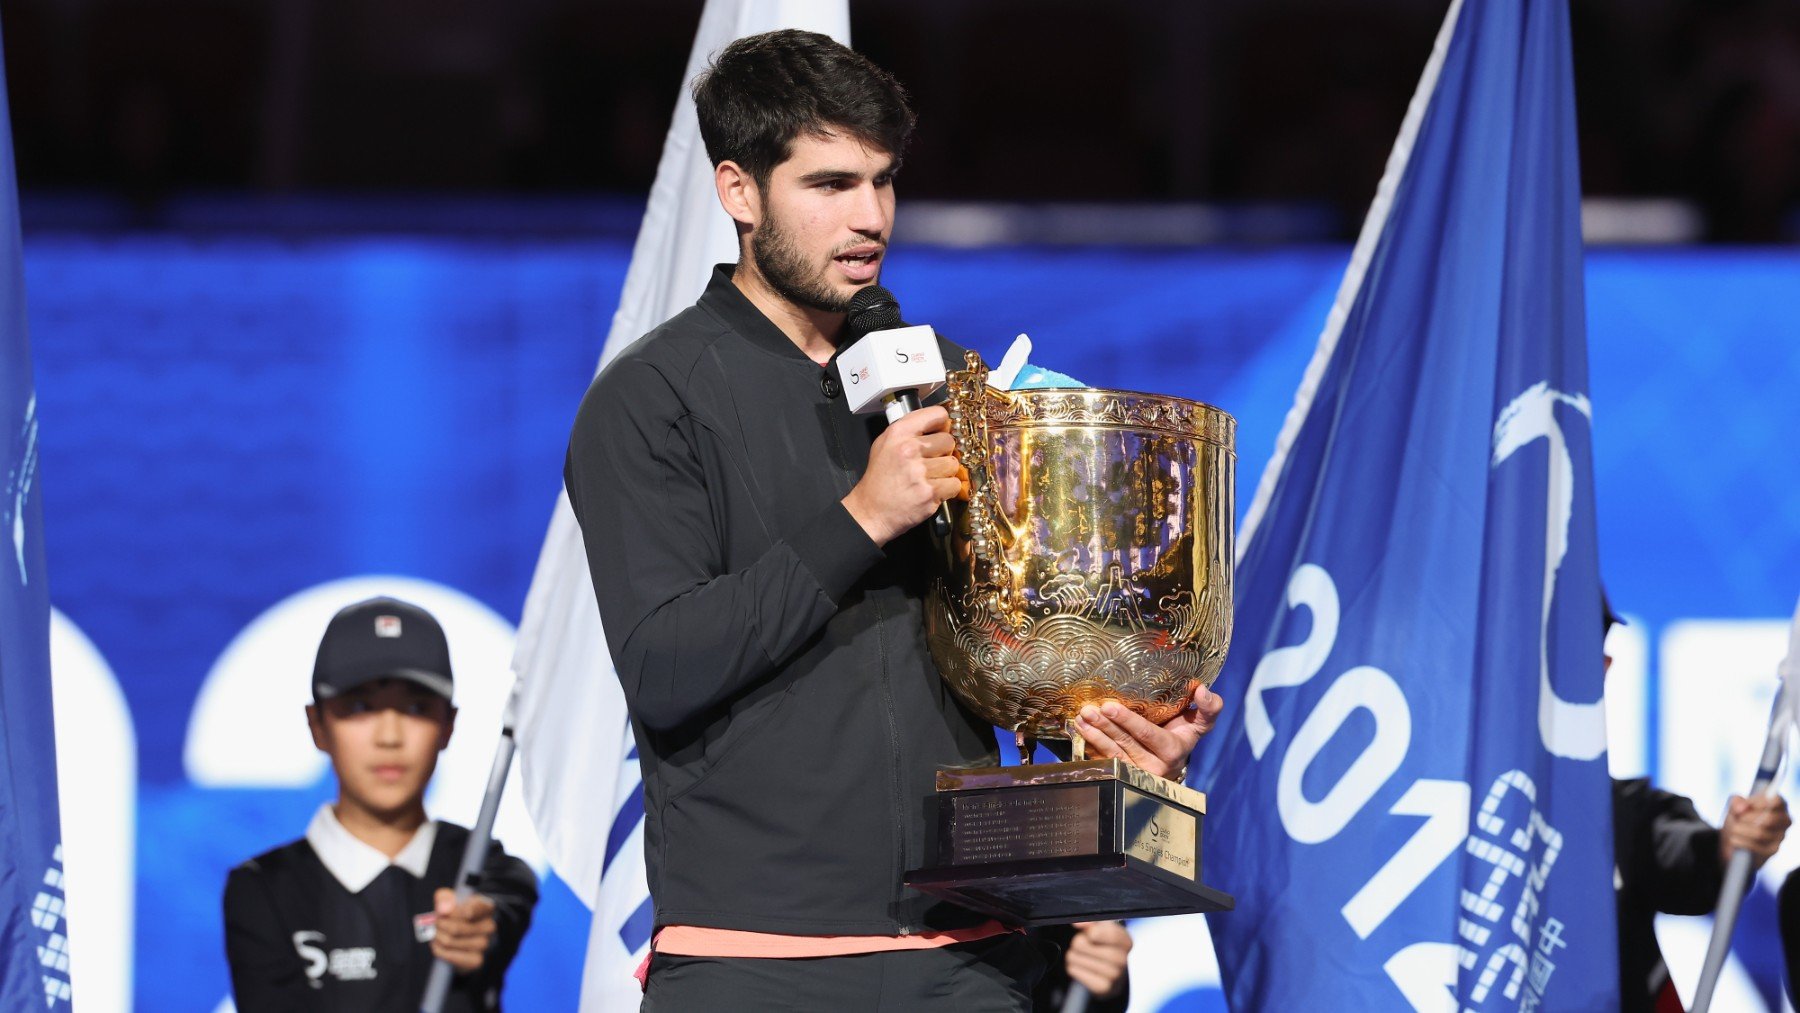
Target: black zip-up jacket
{"type": "Point", "coordinates": [789, 719]}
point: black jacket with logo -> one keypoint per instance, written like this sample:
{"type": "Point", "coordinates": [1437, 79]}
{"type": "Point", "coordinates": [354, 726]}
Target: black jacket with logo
{"type": "Point", "coordinates": [297, 939]}
{"type": "Point", "coordinates": [789, 719]}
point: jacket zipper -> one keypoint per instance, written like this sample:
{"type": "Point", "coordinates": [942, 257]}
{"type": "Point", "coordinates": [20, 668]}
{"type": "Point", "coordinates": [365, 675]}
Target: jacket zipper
{"type": "Point", "coordinates": [887, 700]}
{"type": "Point", "coordinates": [898, 829]}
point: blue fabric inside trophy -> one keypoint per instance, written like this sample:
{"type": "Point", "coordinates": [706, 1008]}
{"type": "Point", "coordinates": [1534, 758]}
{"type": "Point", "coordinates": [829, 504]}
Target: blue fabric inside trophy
{"type": "Point", "coordinates": [1038, 378]}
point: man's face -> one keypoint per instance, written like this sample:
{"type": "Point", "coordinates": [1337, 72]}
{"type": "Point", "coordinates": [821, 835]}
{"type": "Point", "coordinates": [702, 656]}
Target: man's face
{"type": "Point", "coordinates": [826, 214]}
{"type": "Point", "coordinates": [383, 739]}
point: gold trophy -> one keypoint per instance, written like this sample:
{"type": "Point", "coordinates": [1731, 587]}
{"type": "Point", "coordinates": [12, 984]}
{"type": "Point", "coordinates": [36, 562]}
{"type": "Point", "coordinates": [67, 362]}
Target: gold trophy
{"type": "Point", "coordinates": [1092, 561]}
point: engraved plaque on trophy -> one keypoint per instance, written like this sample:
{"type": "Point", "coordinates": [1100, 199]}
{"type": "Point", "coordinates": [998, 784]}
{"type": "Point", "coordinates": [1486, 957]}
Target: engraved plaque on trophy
{"type": "Point", "coordinates": [1092, 562]}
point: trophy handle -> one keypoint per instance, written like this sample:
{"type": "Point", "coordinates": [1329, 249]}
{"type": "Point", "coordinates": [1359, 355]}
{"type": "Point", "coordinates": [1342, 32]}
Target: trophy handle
{"type": "Point", "coordinates": [968, 405]}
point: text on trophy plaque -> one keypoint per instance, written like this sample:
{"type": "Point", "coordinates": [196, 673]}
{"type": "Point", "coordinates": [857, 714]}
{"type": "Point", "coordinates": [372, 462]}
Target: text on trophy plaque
{"type": "Point", "coordinates": [1016, 826]}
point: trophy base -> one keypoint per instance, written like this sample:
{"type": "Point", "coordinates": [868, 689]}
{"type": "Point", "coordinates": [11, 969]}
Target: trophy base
{"type": "Point", "coordinates": [1047, 844]}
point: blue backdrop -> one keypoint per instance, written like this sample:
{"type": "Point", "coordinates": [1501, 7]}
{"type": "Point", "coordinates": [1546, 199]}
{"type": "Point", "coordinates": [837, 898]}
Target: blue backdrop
{"type": "Point", "coordinates": [227, 421]}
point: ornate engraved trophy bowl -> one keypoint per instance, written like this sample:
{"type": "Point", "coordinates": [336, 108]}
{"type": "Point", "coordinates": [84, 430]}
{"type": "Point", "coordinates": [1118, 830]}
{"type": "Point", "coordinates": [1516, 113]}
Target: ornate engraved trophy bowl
{"type": "Point", "coordinates": [1093, 559]}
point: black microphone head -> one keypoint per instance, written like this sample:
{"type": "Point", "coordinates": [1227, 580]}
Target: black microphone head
{"type": "Point", "coordinates": [873, 309]}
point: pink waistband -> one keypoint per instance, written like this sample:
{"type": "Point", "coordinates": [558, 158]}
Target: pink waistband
{"type": "Point", "coordinates": [699, 941]}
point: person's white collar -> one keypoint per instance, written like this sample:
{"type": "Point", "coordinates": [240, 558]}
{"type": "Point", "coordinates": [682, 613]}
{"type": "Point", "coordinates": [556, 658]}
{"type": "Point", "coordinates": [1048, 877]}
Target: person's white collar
{"type": "Point", "coordinates": [354, 863]}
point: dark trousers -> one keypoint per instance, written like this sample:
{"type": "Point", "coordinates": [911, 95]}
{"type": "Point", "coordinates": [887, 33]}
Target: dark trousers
{"type": "Point", "coordinates": [986, 976]}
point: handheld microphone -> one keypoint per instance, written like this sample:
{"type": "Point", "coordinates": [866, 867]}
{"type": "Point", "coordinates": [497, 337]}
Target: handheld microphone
{"type": "Point", "coordinates": [890, 365]}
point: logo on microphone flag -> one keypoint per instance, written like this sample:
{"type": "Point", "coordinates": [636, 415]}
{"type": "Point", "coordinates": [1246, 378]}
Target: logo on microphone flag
{"type": "Point", "coordinates": [34, 957]}
{"type": "Point", "coordinates": [573, 734]}
{"type": "Point", "coordinates": [1410, 797]}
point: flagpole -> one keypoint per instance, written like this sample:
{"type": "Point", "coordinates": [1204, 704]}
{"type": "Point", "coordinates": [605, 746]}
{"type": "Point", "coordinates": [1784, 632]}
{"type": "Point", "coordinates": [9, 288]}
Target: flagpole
{"type": "Point", "coordinates": [437, 987]}
{"type": "Point", "coordinates": [1737, 874]}
{"type": "Point", "coordinates": [1738, 871]}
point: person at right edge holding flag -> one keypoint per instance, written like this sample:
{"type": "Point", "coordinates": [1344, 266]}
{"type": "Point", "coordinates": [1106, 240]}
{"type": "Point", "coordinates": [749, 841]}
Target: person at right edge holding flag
{"type": "Point", "coordinates": [759, 578]}
{"type": "Point", "coordinates": [1670, 860]}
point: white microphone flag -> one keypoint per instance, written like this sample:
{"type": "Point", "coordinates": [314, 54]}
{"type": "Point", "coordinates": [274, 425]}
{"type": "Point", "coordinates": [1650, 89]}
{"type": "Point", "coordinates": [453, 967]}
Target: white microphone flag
{"type": "Point", "coordinates": [576, 754]}
{"type": "Point", "coordinates": [888, 363]}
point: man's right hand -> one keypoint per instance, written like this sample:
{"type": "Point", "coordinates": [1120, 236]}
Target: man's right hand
{"type": "Point", "coordinates": [1096, 957]}
{"type": "Point", "coordinates": [912, 469]}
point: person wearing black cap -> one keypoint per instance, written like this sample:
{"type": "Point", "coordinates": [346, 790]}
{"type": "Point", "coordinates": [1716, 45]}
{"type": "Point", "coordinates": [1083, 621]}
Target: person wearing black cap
{"type": "Point", "coordinates": [351, 916]}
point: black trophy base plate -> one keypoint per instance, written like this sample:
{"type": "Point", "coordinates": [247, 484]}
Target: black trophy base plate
{"type": "Point", "coordinates": [1056, 891]}
{"type": "Point", "coordinates": [1049, 844]}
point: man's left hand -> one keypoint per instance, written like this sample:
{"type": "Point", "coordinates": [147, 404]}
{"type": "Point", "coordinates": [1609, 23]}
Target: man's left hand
{"type": "Point", "coordinates": [464, 931]}
{"type": "Point", "coordinates": [1113, 729]}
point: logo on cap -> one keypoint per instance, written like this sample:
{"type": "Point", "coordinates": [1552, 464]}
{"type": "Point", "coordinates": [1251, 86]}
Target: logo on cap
{"type": "Point", "coordinates": [387, 626]}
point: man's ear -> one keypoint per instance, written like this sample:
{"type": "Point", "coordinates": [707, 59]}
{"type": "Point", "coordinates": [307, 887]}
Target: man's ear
{"type": "Point", "coordinates": [449, 727]}
{"type": "Point", "coordinates": [315, 723]}
{"type": "Point", "coordinates": [738, 193]}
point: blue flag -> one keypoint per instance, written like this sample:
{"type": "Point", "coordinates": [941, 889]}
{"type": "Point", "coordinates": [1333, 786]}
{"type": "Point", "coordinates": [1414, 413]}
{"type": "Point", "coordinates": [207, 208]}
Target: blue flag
{"type": "Point", "coordinates": [1410, 799]}
{"type": "Point", "coordinates": [34, 948]}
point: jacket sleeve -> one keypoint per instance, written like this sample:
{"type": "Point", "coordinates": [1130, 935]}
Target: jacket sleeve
{"type": "Point", "coordinates": [1685, 849]}
{"type": "Point", "coordinates": [684, 633]}
{"type": "Point", "coordinates": [267, 972]}
{"type": "Point", "coordinates": [513, 888]}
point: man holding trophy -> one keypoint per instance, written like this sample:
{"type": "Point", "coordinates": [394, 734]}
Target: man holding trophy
{"type": "Point", "coordinates": [764, 578]}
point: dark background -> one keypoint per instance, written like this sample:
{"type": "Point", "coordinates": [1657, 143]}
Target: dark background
{"type": "Point", "coordinates": [1227, 101]}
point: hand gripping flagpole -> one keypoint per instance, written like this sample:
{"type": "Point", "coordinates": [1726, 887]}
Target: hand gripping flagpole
{"type": "Point", "coordinates": [468, 877]}
{"type": "Point", "coordinates": [1782, 720]}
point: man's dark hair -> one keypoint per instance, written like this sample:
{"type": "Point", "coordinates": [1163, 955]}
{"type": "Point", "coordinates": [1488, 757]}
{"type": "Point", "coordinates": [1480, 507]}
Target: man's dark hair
{"type": "Point", "coordinates": [763, 91]}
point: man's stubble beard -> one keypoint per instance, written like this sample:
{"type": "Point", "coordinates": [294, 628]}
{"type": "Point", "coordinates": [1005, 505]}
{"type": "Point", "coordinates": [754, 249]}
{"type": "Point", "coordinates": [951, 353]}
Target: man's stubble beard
{"type": "Point", "coordinates": [784, 267]}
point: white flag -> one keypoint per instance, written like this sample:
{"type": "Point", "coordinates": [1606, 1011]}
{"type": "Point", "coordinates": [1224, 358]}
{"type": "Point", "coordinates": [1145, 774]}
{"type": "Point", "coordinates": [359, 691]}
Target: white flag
{"type": "Point", "coordinates": [580, 770]}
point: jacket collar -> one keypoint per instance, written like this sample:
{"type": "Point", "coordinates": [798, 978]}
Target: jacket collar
{"type": "Point", "coordinates": [354, 863]}
{"type": "Point", "coordinates": [723, 300]}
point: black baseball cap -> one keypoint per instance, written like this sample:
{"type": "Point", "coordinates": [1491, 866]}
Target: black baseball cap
{"type": "Point", "coordinates": [382, 638]}
{"type": "Point", "coordinates": [1609, 618]}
